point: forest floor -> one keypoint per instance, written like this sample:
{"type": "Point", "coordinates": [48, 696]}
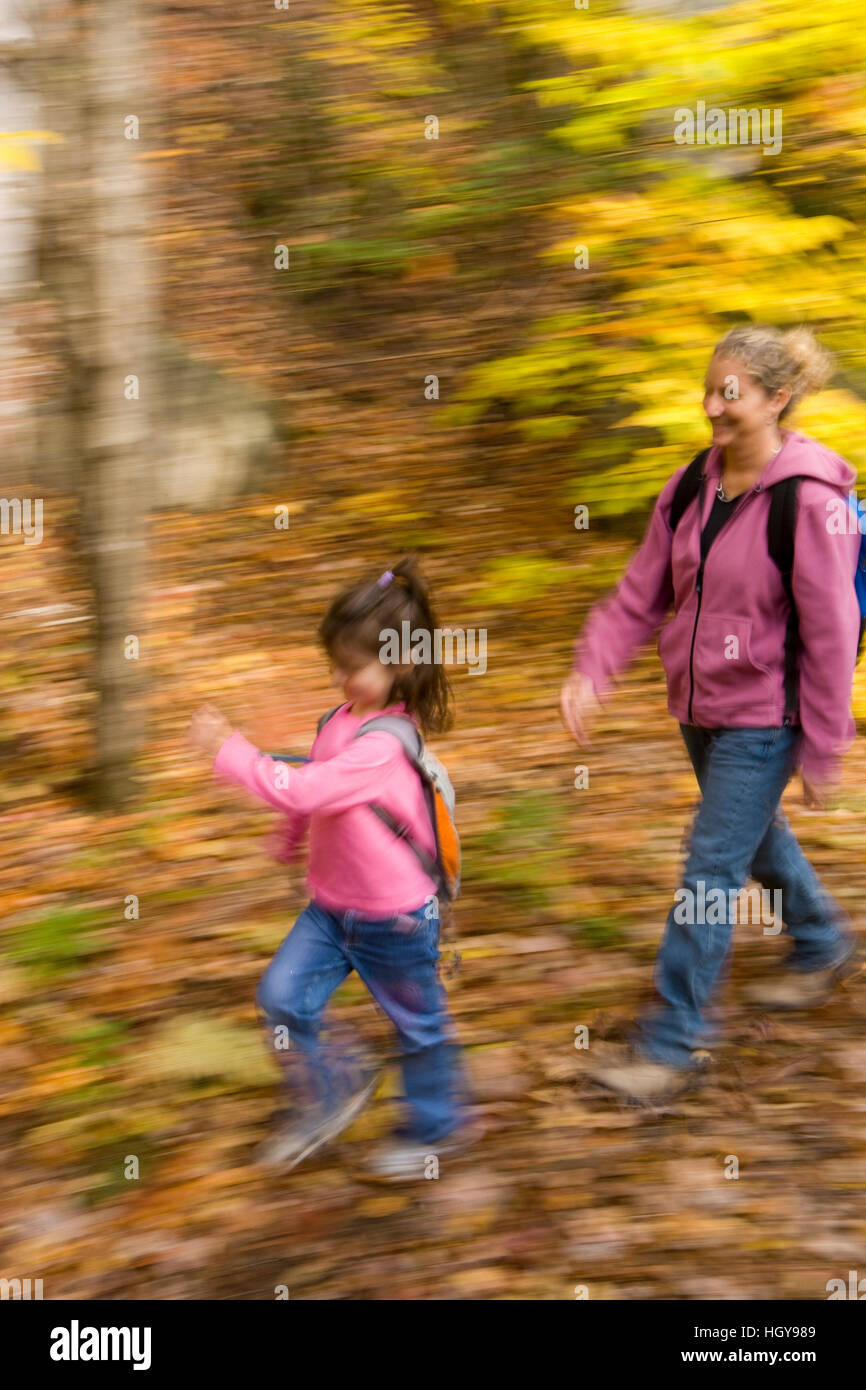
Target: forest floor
{"type": "Point", "coordinates": [136, 1038]}
{"type": "Point", "coordinates": [134, 1087]}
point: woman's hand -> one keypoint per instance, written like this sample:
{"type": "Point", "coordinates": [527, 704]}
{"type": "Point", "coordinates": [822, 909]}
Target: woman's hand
{"type": "Point", "coordinates": [817, 794]}
{"type": "Point", "coordinates": [580, 705]}
{"type": "Point", "coordinates": [208, 730]}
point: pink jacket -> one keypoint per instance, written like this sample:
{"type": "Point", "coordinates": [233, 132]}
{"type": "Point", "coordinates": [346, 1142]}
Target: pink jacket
{"type": "Point", "coordinates": [356, 862]}
{"type": "Point", "coordinates": [724, 649]}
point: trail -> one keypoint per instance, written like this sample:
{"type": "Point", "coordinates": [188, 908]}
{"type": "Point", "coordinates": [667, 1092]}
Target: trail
{"type": "Point", "coordinates": [137, 1037]}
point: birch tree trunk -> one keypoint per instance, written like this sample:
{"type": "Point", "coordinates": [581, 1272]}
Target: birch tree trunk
{"type": "Point", "coordinates": [19, 165]}
{"type": "Point", "coordinates": [94, 258]}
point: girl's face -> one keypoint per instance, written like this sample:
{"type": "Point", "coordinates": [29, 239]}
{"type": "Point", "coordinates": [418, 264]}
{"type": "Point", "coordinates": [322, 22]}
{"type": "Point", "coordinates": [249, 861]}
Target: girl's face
{"type": "Point", "coordinates": [363, 678]}
{"type": "Point", "coordinates": [736, 405]}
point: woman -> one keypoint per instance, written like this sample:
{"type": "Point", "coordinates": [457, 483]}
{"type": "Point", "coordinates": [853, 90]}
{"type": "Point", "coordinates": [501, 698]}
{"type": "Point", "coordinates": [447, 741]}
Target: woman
{"type": "Point", "coordinates": [724, 656]}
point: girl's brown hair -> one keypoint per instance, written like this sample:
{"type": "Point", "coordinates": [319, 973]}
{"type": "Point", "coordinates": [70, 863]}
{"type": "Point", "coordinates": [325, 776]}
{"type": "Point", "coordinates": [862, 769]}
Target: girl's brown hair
{"type": "Point", "coordinates": [776, 357]}
{"type": "Point", "coordinates": [357, 618]}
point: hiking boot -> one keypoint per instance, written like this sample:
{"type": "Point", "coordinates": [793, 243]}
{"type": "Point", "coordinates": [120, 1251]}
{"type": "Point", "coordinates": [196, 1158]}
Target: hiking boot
{"type": "Point", "coordinates": [403, 1159]}
{"type": "Point", "coordinates": [640, 1078]}
{"type": "Point", "coordinates": [297, 1139]}
{"type": "Point", "coordinates": [800, 989]}
{"type": "Point", "coordinates": [793, 989]}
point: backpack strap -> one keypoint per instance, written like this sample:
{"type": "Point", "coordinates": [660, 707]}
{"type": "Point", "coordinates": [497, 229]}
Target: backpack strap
{"type": "Point", "coordinates": [780, 542]}
{"type": "Point", "coordinates": [329, 714]}
{"type": "Point", "coordinates": [687, 488]}
{"type": "Point", "coordinates": [406, 733]}
{"type": "Point", "coordinates": [427, 862]}
{"type": "Point", "coordinates": [402, 727]}
{"type": "Point", "coordinates": [781, 525]}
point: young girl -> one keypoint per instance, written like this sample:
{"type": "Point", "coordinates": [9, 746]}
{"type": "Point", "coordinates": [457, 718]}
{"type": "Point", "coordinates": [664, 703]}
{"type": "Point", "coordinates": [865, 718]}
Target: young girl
{"type": "Point", "coordinates": [373, 907]}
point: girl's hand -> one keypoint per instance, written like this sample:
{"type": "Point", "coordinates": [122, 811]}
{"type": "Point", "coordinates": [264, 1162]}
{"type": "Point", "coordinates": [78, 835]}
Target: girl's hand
{"type": "Point", "coordinates": [817, 794]}
{"type": "Point", "coordinates": [579, 704]}
{"type": "Point", "coordinates": [208, 730]}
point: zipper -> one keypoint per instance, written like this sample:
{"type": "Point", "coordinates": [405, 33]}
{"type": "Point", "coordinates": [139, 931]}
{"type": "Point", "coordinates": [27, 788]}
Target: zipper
{"type": "Point", "coordinates": [699, 581]}
{"type": "Point", "coordinates": [699, 591]}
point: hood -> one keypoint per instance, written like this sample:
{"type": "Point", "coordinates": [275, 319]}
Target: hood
{"type": "Point", "coordinates": [799, 456]}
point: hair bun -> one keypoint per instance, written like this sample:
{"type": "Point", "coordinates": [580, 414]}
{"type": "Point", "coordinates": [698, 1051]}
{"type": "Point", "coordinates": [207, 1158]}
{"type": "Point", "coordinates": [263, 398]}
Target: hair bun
{"type": "Point", "coordinates": [776, 358]}
{"type": "Point", "coordinates": [813, 363]}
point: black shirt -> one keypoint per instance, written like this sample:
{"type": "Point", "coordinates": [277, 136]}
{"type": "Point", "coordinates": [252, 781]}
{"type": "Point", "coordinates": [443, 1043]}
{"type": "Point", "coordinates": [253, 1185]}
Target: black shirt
{"type": "Point", "coordinates": [716, 520]}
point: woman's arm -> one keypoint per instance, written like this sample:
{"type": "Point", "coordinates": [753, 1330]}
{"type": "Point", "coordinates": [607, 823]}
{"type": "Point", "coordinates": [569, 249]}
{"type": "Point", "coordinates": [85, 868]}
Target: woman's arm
{"type": "Point", "coordinates": [829, 624]}
{"type": "Point", "coordinates": [627, 619]}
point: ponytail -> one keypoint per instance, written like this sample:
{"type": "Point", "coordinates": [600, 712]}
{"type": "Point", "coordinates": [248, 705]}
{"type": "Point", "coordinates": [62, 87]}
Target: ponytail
{"type": "Point", "coordinates": [358, 616]}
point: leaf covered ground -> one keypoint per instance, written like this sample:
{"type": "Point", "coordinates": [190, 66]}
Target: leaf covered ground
{"type": "Point", "coordinates": [126, 1037]}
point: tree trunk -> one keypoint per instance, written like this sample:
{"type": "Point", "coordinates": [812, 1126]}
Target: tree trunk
{"type": "Point", "coordinates": [95, 259]}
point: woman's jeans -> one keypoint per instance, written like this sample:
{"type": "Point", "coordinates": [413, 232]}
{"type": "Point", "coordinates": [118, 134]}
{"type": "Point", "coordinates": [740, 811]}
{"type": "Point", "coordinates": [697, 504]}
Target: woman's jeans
{"type": "Point", "coordinates": [739, 831]}
{"type": "Point", "coordinates": [396, 958]}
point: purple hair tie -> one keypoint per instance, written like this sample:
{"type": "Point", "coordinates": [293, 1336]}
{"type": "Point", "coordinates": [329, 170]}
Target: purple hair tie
{"type": "Point", "coordinates": [385, 579]}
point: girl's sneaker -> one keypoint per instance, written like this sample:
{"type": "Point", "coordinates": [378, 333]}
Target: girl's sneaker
{"type": "Point", "coordinates": [298, 1139]}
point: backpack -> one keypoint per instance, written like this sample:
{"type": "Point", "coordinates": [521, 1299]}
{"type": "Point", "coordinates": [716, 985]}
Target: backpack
{"type": "Point", "coordinates": [444, 866]}
{"type": "Point", "coordinates": [780, 543]}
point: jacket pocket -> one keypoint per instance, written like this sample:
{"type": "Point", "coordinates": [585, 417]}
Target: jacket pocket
{"type": "Point", "coordinates": [674, 645]}
{"type": "Point", "coordinates": [729, 683]}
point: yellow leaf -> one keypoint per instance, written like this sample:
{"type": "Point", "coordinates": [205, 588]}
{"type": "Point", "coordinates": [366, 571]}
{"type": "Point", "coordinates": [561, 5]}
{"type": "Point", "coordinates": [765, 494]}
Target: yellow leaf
{"type": "Point", "coordinates": [384, 1206]}
{"type": "Point", "coordinates": [19, 156]}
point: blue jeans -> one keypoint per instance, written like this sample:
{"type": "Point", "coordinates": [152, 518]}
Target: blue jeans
{"type": "Point", "coordinates": [739, 831]}
{"type": "Point", "coordinates": [396, 958]}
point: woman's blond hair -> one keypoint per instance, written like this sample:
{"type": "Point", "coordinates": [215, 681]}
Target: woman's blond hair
{"type": "Point", "coordinates": [778, 357]}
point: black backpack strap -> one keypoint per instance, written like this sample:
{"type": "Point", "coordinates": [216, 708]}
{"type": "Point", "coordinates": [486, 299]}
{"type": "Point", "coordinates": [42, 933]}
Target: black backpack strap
{"type": "Point", "coordinates": [687, 488]}
{"type": "Point", "coordinates": [781, 525]}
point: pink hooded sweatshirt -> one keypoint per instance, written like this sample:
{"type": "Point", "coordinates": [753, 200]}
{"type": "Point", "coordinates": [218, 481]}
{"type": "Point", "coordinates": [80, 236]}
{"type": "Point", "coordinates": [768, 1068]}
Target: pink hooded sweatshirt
{"type": "Point", "coordinates": [356, 863]}
{"type": "Point", "coordinates": [724, 648]}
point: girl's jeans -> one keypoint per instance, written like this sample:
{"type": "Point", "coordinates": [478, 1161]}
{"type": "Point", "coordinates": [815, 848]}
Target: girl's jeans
{"type": "Point", "coordinates": [739, 831]}
{"type": "Point", "coordinates": [396, 958]}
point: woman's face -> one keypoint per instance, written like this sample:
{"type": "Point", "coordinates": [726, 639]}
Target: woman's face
{"type": "Point", "coordinates": [736, 405]}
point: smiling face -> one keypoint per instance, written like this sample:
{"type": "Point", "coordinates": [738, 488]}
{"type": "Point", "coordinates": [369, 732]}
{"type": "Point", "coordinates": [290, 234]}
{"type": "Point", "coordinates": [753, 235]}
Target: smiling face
{"type": "Point", "coordinates": [737, 405]}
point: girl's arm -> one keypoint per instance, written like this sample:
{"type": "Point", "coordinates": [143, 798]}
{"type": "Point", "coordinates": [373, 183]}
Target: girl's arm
{"type": "Point", "coordinates": [284, 842]}
{"type": "Point", "coordinates": [351, 778]}
{"type": "Point", "coordinates": [208, 731]}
